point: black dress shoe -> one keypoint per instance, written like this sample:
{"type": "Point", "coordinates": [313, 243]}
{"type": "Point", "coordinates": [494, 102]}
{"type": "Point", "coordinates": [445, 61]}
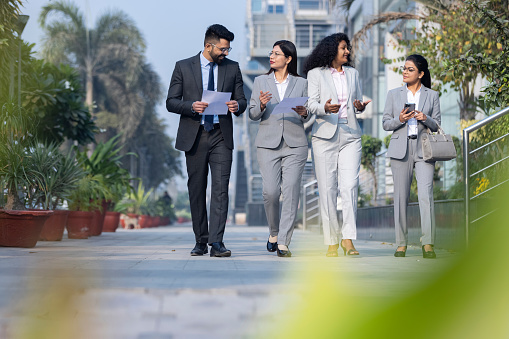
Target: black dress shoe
{"type": "Point", "coordinates": [283, 253]}
{"type": "Point", "coordinates": [428, 254]}
{"type": "Point", "coordinates": [217, 249]}
{"type": "Point", "coordinates": [271, 246]}
{"type": "Point", "coordinates": [199, 249]}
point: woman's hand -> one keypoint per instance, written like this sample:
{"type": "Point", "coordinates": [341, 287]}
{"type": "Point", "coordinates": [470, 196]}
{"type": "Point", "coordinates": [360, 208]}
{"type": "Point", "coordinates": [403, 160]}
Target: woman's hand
{"type": "Point", "coordinates": [301, 110]}
{"type": "Point", "coordinates": [404, 116]}
{"type": "Point", "coordinates": [361, 105]}
{"type": "Point", "coordinates": [420, 116]}
{"type": "Point", "coordinates": [264, 99]}
{"type": "Point", "coordinates": [329, 108]}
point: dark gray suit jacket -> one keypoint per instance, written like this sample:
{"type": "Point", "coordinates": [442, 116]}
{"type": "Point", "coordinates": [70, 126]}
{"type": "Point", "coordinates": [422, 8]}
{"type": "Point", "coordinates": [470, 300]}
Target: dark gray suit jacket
{"type": "Point", "coordinates": [186, 87]}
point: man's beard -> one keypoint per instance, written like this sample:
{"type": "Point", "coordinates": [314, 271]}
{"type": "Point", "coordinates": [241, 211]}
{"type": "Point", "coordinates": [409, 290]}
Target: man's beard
{"type": "Point", "coordinates": [218, 58]}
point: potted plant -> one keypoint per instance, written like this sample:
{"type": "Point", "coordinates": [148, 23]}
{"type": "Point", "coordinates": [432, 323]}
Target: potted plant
{"type": "Point", "coordinates": [135, 203]}
{"type": "Point", "coordinates": [105, 161]}
{"type": "Point", "coordinates": [19, 227]}
{"type": "Point", "coordinates": [82, 202]}
{"type": "Point", "coordinates": [58, 176]}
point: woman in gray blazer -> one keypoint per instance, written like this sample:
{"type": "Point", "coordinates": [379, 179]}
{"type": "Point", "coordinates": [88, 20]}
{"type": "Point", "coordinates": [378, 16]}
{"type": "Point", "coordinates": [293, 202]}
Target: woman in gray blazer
{"type": "Point", "coordinates": [282, 147]}
{"type": "Point", "coordinates": [409, 111]}
{"type": "Point", "coordinates": [334, 99]}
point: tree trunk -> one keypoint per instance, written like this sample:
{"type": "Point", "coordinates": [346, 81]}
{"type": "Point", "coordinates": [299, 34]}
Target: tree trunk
{"type": "Point", "coordinates": [13, 202]}
{"type": "Point", "coordinates": [90, 89]}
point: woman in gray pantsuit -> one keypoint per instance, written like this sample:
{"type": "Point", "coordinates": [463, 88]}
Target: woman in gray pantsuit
{"type": "Point", "coordinates": [334, 98]}
{"type": "Point", "coordinates": [281, 142]}
{"type": "Point", "coordinates": [409, 111]}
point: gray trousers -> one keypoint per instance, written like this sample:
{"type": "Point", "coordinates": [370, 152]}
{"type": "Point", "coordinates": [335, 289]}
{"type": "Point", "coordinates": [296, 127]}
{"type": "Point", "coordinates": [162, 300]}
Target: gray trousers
{"type": "Point", "coordinates": [402, 172]}
{"type": "Point", "coordinates": [281, 169]}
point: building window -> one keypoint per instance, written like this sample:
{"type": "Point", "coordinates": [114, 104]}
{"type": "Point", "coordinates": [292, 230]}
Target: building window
{"type": "Point", "coordinates": [276, 9]}
{"type": "Point", "coordinates": [302, 35]}
{"type": "Point", "coordinates": [311, 4]}
{"type": "Point", "coordinates": [256, 6]}
{"type": "Point", "coordinates": [319, 32]}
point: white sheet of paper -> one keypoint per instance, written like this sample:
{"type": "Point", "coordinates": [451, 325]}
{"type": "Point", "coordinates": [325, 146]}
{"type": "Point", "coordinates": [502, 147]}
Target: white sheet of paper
{"type": "Point", "coordinates": [287, 104]}
{"type": "Point", "coordinates": [217, 102]}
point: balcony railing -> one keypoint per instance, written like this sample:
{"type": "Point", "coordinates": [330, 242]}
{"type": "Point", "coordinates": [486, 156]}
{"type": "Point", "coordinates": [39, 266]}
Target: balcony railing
{"type": "Point", "coordinates": [496, 155]}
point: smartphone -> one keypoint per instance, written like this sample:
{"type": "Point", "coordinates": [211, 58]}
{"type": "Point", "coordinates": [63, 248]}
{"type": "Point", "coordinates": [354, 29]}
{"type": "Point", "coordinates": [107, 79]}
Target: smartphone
{"type": "Point", "coordinates": [411, 107]}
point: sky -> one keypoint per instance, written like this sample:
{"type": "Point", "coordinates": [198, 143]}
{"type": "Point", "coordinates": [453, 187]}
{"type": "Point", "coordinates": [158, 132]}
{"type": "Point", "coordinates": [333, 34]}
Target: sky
{"type": "Point", "coordinates": [173, 30]}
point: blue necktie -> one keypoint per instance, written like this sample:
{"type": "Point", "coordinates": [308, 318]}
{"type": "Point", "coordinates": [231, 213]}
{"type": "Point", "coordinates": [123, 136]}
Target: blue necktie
{"type": "Point", "coordinates": [209, 119]}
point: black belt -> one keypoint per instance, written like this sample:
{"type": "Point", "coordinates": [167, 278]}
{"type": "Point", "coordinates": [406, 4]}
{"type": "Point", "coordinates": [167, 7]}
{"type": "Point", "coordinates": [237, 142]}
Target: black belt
{"type": "Point", "coordinates": [412, 136]}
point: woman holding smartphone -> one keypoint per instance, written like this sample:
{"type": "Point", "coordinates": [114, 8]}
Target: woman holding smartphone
{"type": "Point", "coordinates": [281, 143]}
{"type": "Point", "coordinates": [335, 98]}
{"type": "Point", "coordinates": [409, 111]}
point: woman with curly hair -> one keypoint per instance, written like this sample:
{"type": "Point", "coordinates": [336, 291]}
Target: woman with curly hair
{"type": "Point", "coordinates": [335, 98]}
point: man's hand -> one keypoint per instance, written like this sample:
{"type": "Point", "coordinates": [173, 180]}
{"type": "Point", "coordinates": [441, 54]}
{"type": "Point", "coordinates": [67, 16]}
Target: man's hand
{"type": "Point", "coordinates": [199, 106]}
{"type": "Point", "coordinates": [233, 106]}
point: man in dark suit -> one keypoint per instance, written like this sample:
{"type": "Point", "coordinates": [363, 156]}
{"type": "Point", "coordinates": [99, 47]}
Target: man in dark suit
{"type": "Point", "coordinates": [207, 140]}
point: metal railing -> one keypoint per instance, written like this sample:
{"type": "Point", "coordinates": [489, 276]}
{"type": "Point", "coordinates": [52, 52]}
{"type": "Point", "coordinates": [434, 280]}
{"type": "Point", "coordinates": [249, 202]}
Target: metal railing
{"type": "Point", "coordinates": [310, 203]}
{"type": "Point", "coordinates": [467, 176]}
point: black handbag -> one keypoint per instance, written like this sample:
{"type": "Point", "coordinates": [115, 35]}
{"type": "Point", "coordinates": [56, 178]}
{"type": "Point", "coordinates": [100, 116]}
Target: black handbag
{"type": "Point", "coordinates": [437, 147]}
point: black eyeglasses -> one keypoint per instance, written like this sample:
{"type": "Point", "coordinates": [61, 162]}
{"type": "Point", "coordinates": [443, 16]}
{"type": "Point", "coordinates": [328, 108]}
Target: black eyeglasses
{"type": "Point", "coordinates": [223, 50]}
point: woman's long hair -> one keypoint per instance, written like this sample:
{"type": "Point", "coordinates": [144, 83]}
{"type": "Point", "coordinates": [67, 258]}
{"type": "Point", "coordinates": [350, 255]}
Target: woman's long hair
{"type": "Point", "coordinates": [422, 66]}
{"type": "Point", "coordinates": [325, 52]}
{"type": "Point", "coordinates": [288, 49]}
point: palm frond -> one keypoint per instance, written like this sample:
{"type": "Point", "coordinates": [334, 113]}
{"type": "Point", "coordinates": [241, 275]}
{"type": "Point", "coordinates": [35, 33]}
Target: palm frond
{"type": "Point", "coordinates": [379, 19]}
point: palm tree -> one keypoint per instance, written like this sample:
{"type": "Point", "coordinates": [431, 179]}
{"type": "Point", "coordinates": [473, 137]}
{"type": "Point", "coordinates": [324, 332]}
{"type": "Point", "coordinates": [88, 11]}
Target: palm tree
{"type": "Point", "coordinates": [115, 43]}
{"type": "Point", "coordinates": [9, 11]}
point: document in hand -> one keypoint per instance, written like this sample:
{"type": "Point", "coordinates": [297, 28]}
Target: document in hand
{"type": "Point", "coordinates": [287, 104]}
{"type": "Point", "coordinates": [217, 102]}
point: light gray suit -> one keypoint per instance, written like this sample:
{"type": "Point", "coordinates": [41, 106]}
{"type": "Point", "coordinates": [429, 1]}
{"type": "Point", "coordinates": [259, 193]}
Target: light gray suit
{"type": "Point", "coordinates": [282, 150]}
{"type": "Point", "coordinates": [406, 154]}
{"type": "Point", "coordinates": [336, 152]}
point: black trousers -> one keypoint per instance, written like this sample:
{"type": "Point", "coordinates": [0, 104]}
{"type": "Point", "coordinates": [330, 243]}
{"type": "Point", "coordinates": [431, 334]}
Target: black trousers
{"type": "Point", "coordinates": [209, 150]}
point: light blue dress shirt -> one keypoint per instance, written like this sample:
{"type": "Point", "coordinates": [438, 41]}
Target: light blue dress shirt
{"type": "Point", "coordinates": [205, 68]}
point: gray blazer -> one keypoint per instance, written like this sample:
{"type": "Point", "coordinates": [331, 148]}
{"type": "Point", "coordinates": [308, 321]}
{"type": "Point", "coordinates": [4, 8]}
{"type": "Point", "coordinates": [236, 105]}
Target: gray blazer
{"type": "Point", "coordinates": [429, 104]}
{"type": "Point", "coordinates": [273, 127]}
{"type": "Point", "coordinates": [321, 89]}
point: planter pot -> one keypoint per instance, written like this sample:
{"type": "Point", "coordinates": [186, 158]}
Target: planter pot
{"type": "Point", "coordinates": [53, 229]}
{"type": "Point", "coordinates": [78, 224]}
{"type": "Point", "coordinates": [111, 221]}
{"type": "Point", "coordinates": [98, 220]}
{"type": "Point", "coordinates": [145, 221]}
{"type": "Point", "coordinates": [21, 228]}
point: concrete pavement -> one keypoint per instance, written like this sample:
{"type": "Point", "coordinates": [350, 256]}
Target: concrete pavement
{"type": "Point", "coordinates": [143, 284]}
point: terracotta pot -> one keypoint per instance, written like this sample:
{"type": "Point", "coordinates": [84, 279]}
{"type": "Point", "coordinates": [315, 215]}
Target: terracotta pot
{"type": "Point", "coordinates": [78, 224]}
{"type": "Point", "coordinates": [98, 220]}
{"type": "Point", "coordinates": [53, 229]}
{"type": "Point", "coordinates": [111, 221]}
{"type": "Point", "coordinates": [21, 228]}
{"type": "Point", "coordinates": [144, 221]}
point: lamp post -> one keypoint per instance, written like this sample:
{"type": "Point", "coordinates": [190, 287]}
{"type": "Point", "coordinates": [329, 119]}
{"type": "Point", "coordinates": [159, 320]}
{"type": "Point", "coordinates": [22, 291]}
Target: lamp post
{"type": "Point", "coordinates": [22, 21]}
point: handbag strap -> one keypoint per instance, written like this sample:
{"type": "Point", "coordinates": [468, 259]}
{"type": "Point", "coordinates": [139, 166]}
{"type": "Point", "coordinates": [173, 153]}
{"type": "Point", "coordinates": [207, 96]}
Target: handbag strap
{"type": "Point", "coordinates": [440, 130]}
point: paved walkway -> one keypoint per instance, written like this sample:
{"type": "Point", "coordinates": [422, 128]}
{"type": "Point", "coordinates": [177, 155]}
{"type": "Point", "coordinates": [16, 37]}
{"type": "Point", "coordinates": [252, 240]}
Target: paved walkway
{"type": "Point", "coordinates": [143, 284]}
